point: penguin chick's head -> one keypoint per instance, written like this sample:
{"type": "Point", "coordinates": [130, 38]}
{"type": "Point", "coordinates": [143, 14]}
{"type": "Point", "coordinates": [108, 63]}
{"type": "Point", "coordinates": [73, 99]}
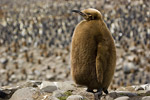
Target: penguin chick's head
{"type": "Point", "coordinates": [89, 14]}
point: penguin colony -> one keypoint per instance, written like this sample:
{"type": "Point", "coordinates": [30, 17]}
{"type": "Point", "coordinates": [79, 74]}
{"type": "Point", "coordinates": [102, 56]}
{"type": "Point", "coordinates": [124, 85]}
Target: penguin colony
{"type": "Point", "coordinates": [93, 52]}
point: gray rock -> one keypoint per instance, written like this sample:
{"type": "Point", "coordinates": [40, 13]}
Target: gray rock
{"type": "Point", "coordinates": [147, 92]}
{"type": "Point", "coordinates": [142, 87]}
{"type": "Point", "coordinates": [113, 94]}
{"type": "Point", "coordinates": [126, 93]}
{"type": "Point", "coordinates": [107, 97]}
{"type": "Point", "coordinates": [139, 88]}
{"type": "Point", "coordinates": [27, 93]}
{"type": "Point", "coordinates": [65, 86]}
{"type": "Point", "coordinates": [88, 95]}
{"type": "Point", "coordinates": [58, 93]}
{"type": "Point", "coordinates": [53, 98]}
{"type": "Point", "coordinates": [147, 86]}
{"type": "Point", "coordinates": [122, 98]}
{"type": "Point", "coordinates": [50, 76]}
{"type": "Point", "coordinates": [48, 86]}
{"type": "Point", "coordinates": [75, 97]}
{"type": "Point", "coordinates": [146, 98]}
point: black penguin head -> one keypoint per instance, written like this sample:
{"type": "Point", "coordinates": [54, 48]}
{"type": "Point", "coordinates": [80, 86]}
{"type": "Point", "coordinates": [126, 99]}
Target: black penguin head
{"type": "Point", "coordinates": [89, 14]}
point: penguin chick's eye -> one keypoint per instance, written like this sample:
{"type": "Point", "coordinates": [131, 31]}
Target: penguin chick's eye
{"type": "Point", "coordinates": [90, 17]}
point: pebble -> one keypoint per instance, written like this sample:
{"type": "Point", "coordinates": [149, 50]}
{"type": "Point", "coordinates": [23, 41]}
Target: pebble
{"type": "Point", "coordinates": [123, 98]}
{"type": "Point", "coordinates": [27, 93]}
{"type": "Point", "coordinates": [88, 95]}
{"type": "Point", "coordinates": [113, 94]}
{"type": "Point", "coordinates": [75, 97]}
{"type": "Point", "coordinates": [65, 86]}
{"type": "Point", "coordinates": [146, 98]}
{"type": "Point", "coordinates": [147, 92]}
{"type": "Point", "coordinates": [127, 93]}
{"type": "Point", "coordinates": [58, 93]}
{"type": "Point", "coordinates": [48, 86]}
{"type": "Point", "coordinates": [107, 97]}
{"type": "Point", "coordinates": [142, 87]}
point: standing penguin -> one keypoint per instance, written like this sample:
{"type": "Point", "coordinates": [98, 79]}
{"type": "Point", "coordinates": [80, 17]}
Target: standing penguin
{"type": "Point", "coordinates": [93, 52]}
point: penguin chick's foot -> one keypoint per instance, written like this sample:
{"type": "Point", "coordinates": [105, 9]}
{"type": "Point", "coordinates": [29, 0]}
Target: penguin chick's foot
{"type": "Point", "coordinates": [89, 90]}
{"type": "Point", "coordinates": [106, 91]}
{"type": "Point", "coordinates": [98, 94]}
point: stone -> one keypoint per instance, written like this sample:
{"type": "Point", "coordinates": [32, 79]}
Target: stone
{"type": "Point", "coordinates": [129, 88]}
{"type": "Point", "coordinates": [147, 93]}
{"type": "Point", "coordinates": [107, 97]}
{"type": "Point", "coordinates": [58, 93]}
{"type": "Point", "coordinates": [50, 76]}
{"type": "Point", "coordinates": [27, 93]}
{"type": "Point", "coordinates": [142, 87]}
{"type": "Point", "coordinates": [146, 98]}
{"type": "Point", "coordinates": [113, 94]}
{"type": "Point", "coordinates": [139, 88]}
{"type": "Point", "coordinates": [85, 94]}
{"type": "Point", "coordinates": [126, 93]}
{"type": "Point", "coordinates": [48, 86]}
{"type": "Point", "coordinates": [53, 98]}
{"type": "Point", "coordinates": [122, 98]}
{"type": "Point", "coordinates": [65, 86]}
{"type": "Point", "coordinates": [147, 87]}
{"type": "Point", "coordinates": [75, 97]}
{"type": "Point", "coordinates": [31, 83]}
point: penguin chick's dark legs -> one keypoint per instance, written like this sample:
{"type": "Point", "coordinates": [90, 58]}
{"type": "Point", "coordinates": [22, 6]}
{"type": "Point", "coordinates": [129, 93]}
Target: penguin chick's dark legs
{"type": "Point", "coordinates": [105, 91]}
{"type": "Point", "coordinates": [89, 90]}
{"type": "Point", "coordinates": [99, 92]}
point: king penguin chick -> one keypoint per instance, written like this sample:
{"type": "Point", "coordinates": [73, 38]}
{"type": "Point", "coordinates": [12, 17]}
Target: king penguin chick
{"type": "Point", "coordinates": [93, 52]}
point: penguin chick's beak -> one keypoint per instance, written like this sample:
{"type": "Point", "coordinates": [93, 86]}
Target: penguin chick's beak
{"type": "Point", "coordinates": [79, 12]}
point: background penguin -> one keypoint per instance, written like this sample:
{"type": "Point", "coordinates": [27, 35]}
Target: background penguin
{"type": "Point", "coordinates": [93, 52]}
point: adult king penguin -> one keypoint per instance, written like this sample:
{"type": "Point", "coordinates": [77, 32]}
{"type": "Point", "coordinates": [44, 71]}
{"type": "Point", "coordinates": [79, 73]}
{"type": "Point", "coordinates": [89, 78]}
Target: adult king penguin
{"type": "Point", "coordinates": [93, 52]}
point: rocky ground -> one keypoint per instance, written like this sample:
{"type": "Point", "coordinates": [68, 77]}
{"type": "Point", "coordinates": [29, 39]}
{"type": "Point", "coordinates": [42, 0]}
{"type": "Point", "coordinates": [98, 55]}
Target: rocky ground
{"type": "Point", "coordinates": [36, 90]}
{"type": "Point", "coordinates": [35, 39]}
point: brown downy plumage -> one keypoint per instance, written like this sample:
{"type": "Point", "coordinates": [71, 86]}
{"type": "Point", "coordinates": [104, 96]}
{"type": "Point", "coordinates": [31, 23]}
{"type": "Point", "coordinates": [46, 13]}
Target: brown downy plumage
{"type": "Point", "coordinates": [93, 52]}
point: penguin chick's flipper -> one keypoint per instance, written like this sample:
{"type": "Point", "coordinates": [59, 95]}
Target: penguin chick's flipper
{"type": "Point", "coordinates": [89, 90]}
{"type": "Point", "coordinates": [106, 91]}
{"type": "Point", "coordinates": [100, 63]}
